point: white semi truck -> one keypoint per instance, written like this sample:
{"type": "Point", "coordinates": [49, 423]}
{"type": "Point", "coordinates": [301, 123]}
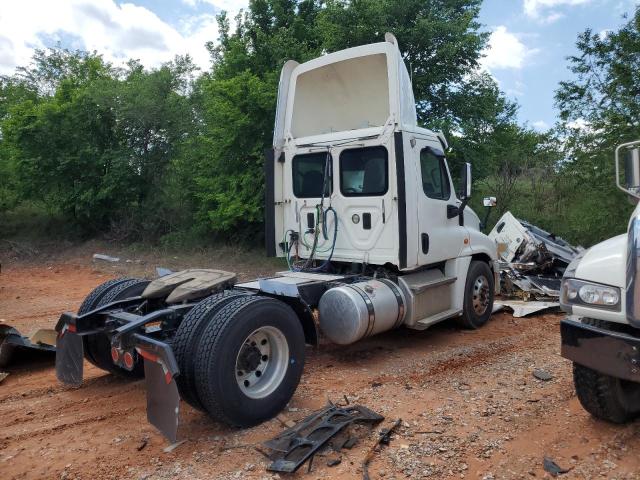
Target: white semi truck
{"type": "Point", "coordinates": [601, 293]}
{"type": "Point", "coordinates": [360, 201]}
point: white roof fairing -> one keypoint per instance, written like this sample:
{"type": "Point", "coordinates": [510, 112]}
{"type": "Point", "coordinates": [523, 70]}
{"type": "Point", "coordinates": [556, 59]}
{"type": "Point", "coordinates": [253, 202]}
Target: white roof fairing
{"type": "Point", "coordinates": [353, 89]}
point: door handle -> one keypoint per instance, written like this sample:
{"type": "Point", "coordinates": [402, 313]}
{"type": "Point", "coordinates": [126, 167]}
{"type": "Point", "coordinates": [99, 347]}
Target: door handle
{"type": "Point", "coordinates": [366, 221]}
{"type": "Point", "coordinates": [425, 243]}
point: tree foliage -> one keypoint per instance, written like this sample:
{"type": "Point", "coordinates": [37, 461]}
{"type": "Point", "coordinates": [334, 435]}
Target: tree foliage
{"type": "Point", "coordinates": [171, 152]}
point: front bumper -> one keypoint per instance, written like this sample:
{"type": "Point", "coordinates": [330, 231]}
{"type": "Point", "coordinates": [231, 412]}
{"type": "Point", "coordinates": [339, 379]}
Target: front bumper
{"type": "Point", "coordinates": [612, 353]}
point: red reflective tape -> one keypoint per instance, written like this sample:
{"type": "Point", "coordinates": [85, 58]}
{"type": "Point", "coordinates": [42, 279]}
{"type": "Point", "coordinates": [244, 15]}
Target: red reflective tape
{"type": "Point", "coordinates": [149, 356]}
{"type": "Point", "coordinates": [167, 377]}
{"type": "Point", "coordinates": [71, 328]}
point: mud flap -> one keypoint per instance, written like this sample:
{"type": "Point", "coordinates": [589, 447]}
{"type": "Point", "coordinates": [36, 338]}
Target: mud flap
{"type": "Point", "coordinates": [69, 357]}
{"type": "Point", "coordinates": [163, 400]}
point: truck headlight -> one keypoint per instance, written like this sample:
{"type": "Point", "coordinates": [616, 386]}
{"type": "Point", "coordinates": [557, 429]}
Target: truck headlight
{"type": "Point", "coordinates": [580, 292]}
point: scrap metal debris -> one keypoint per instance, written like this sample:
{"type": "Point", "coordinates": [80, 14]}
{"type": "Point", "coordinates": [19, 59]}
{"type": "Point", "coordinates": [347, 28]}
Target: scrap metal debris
{"type": "Point", "coordinates": [532, 260]}
{"type": "Point", "coordinates": [173, 446]}
{"type": "Point", "coordinates": [105, 258]}
{"type": "Point", "coordinates": [12, 340]}
{"type": "Point", "coordinates": [300, 443]}
{"type": "Point", "coordinates": [542, 375]}
{"type": "Point", "coordinates": [383, 439]}
{"type": "Point", "coordinates": [522, 308]}
{"type": "Point", "coordinates": [553, 468]}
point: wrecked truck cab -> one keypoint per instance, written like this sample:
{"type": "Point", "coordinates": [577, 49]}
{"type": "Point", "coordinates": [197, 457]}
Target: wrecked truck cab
{"type": "Point", "coordinates": [601, 294]}
{"type": "Point", "coordinates": [532, 260]}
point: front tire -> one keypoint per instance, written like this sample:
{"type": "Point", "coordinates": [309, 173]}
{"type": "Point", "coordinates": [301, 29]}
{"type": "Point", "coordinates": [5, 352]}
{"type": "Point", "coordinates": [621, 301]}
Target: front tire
{"type": "Point", "coordinates": [478, 295]}
{"type": "Point", "coordinates": [250, 361]}
{"type": "Point", "coordinates": [605, 397]}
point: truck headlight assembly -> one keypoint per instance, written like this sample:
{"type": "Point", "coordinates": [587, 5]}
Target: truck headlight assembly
{"type": "Point", "coordinates": [579, 292]}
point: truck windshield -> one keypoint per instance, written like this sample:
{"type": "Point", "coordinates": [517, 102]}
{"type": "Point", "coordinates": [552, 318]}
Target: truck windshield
{"type": "Point", "coordinates": [363, 172]}
{"type": "Point", "coordinates": [308, 174]}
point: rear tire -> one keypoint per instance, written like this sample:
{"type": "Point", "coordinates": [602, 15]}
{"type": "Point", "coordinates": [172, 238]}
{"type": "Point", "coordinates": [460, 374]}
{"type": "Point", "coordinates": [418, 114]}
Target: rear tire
{"type": "Point", "coordinates": [91, 302]}
{"type": "Point", "coordinates": [98, 347]}
{"type": "Point", "coordinates": [603, 396]}
{"type": "Point", "coordinates": [250, 360]}
{"type": "Point", "coordinates": [478, 295]}
{"type": "Point", "coordinates": [187, 339]}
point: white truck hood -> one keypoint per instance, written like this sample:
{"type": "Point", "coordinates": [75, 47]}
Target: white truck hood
{"type": "Point", "coordinates": [605, 262]}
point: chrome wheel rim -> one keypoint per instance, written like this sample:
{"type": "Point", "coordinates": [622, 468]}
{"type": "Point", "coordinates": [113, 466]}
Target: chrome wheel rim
{"type": "Point", "coordinates": [481, 295]}
{"type": "Point", "coordinates": [262, 362]}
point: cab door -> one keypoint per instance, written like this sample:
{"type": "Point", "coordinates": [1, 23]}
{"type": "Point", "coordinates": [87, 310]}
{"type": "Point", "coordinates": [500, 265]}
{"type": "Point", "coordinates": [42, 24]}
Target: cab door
{"type": "Point", "coordinates": [440, 235]}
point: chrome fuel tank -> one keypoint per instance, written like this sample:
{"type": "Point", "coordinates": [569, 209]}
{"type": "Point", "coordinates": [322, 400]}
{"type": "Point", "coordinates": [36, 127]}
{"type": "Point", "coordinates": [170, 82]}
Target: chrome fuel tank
{"type": "Point", "coordinates": [354, 311]}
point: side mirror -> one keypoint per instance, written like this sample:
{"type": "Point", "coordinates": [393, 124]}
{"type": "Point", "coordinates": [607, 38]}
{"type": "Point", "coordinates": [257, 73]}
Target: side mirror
{"type": "Point", "coordinates": [632, 169]}
{"type": "Point", "coordinates": [465, 194]}
{"type": "Point", "coordinates": [489, 201]}
{"type": "Point", "coordinates": [465, 191]}
{"type": "Point", "coordinates": [630, 153]}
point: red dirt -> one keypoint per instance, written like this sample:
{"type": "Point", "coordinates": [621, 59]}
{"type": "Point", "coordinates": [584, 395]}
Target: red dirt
{"type": "Point", "coordinates": [470, 404]}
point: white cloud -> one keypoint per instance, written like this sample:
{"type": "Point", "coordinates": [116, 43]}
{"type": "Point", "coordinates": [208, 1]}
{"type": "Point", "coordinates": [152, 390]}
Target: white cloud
{"type": "Point", "coordinates": [540, 125]}
{"type": "Point", "coordinates": [580, 124]}
{"type": "Point", "coordinates": [603, 34]}
{"type": "Point", "coordinates": [117, 31]}
{"type": "Point", "coordinates": [545, 11]}
{"type": "Point", "coordinates": [505, 51]}
{"type": "Point", "coordinates": [227, 5]}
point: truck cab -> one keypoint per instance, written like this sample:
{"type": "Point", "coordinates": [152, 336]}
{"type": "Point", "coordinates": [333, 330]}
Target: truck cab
{"type": "Point", "coordinates": [349, 159]}
{"type": "Point", "coordinates": [601, 295]}
{"type": "Point", "coordinates": [388, 181]}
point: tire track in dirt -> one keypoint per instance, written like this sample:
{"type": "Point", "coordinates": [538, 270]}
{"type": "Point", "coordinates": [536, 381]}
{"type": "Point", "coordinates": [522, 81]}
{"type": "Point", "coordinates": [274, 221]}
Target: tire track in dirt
{"type": "Point", "coordinates": [76, 423]}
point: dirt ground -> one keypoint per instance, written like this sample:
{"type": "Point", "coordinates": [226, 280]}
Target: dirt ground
{"type": "Point", "coordinates": [469, 403]}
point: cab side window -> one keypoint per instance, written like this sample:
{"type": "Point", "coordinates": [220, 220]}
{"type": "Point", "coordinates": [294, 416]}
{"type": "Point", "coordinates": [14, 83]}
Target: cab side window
{"type": "Point", "coordinates": [435, 179]}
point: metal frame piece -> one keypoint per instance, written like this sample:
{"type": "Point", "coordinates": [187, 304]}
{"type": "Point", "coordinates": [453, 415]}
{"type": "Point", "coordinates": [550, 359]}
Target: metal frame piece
{"type": "Point", "coordinates": [297, 444]}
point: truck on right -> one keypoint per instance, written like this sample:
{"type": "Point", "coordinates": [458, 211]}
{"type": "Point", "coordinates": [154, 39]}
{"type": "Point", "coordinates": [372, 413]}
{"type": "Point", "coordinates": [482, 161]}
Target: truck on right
{"type": "Point", "coordinates": [600, 292]}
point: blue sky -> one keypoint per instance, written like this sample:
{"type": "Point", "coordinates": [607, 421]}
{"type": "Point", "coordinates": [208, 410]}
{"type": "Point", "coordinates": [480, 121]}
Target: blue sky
{"type": "Point", "coordinates": [530, 39]}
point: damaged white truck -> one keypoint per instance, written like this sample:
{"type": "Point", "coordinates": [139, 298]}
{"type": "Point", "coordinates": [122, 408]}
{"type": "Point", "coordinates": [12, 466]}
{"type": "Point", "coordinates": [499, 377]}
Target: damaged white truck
{"type": "Point", "coordinates": [360, 201]}
{"type": "Point", "coordinates": [601, 293]}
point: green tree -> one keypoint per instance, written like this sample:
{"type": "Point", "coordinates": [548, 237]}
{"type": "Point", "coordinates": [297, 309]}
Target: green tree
{"type": "Point", "coordinates": [95, 142]}
{"type": "Point", "coordinates": [599, 109]}
{"type": "Point", "coordinates": [442, 42]}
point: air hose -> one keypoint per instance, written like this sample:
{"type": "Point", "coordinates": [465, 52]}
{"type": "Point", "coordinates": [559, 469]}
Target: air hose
{"type": "Point", "coordinates": [321, 217]}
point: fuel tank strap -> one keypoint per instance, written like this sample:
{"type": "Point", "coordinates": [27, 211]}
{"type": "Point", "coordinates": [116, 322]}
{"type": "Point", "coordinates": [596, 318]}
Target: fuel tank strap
{"type": "Point", "coordinates": [370, 310]}
{"type": "Point", "coordinates": [396, 291]}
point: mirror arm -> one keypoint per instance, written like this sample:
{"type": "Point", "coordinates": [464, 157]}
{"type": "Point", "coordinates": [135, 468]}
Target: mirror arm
{"type": "Point", "coordinates": [461, 208]}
